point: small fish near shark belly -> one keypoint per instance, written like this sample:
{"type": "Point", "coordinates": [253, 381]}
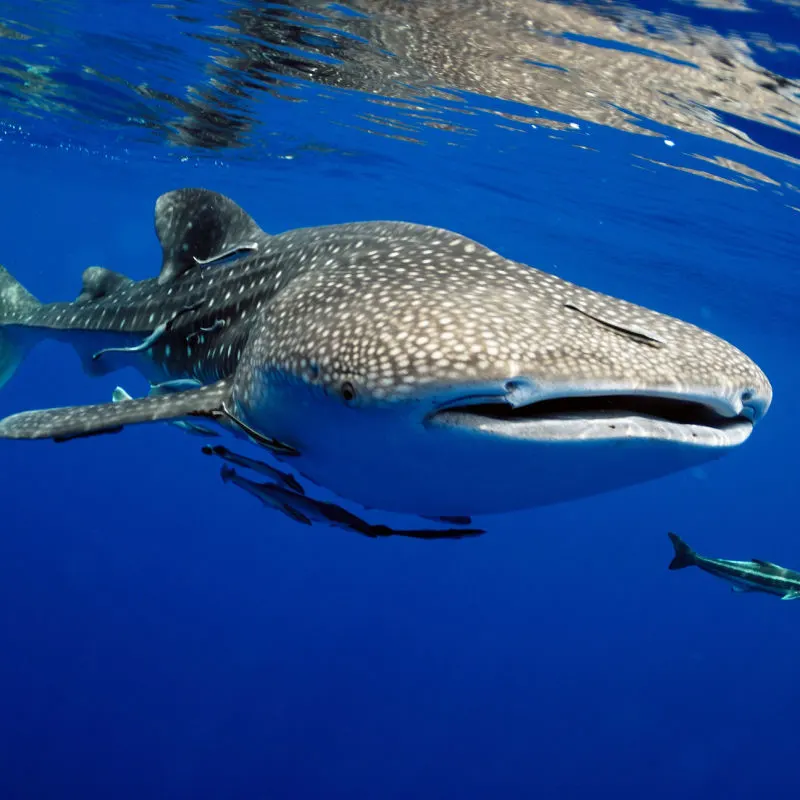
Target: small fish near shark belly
{"type": "Point", "coordinates": [404, 367]}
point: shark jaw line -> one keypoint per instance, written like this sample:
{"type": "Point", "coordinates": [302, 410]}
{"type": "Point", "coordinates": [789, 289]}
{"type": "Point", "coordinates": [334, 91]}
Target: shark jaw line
{"type": "Point", "coordinates": [690, 420]}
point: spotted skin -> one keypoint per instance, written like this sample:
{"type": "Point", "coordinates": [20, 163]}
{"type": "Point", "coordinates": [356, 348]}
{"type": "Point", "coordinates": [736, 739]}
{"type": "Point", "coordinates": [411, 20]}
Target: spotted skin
{"type": "Point", "coordinates": [74, 422]}
{"type": "Point", "coordinates": [99, 282]}
{"type": "Point", "coordinates": [413, 306]}
{"type": "Point", "coordinates": [351, 345]}
{"type": "Point", "coordinates": [188, 226]}
{"type": "Point", "coordinates": [394, 307]}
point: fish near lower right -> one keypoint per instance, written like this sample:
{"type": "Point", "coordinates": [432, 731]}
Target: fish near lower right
{"type": "Point", "coordinates": [403, 367]}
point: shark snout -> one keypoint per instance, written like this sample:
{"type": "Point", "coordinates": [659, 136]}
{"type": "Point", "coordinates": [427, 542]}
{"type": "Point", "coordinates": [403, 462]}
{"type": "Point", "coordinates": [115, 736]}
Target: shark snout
{"type": "Point", "coordinates": [749, 403]}
{"type": "Point", "coordinates": [754, 405]}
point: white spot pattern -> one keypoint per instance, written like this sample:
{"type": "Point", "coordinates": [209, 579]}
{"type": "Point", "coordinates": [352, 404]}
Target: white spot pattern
{"type": "Point", "coordinates": [393, 307]}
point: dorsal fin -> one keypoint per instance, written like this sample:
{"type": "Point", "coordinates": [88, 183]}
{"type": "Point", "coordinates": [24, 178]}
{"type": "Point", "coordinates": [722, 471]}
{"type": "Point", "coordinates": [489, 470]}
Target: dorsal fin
{"type": "Point", "coordinates": [198, 225]}
{"type": "Point", "coordinates": [766, 564]}
{"type": "Point", "coordinates": [99, 282]}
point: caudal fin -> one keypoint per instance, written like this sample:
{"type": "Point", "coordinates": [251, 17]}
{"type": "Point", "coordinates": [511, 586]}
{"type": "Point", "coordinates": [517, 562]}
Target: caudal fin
{"type": "Point", "coordinates": [16, 302]}
{"type": "Point", "coordinates": [684, 555]}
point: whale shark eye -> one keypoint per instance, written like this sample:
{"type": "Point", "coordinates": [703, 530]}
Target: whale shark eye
{"type": "Point", "coordinates": [348, 392]}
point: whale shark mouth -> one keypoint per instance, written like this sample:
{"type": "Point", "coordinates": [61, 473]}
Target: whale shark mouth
{"type": "Point", "coordinates": [600, 417]}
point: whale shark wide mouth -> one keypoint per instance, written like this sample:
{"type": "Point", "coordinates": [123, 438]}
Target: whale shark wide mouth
{"type": "Point", "coordinates": [599, 417]}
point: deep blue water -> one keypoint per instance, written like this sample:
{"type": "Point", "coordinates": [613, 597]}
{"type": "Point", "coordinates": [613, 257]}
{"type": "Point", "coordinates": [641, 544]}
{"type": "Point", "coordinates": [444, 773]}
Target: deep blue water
{"type": "Point", "coordinates": [161, 635]}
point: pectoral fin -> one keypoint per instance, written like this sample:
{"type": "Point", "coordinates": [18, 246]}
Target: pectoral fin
{"type": "Point", "coordinates": [62, 424]}
{"type": "Point", "coordinates": [120, 394]}
{"type": "Point", "coordinates": [791, 596]}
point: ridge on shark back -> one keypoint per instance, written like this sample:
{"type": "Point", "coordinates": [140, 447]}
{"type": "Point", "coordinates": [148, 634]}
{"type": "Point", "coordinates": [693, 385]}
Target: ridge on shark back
{"type": "Point", "coordinates": [404, 367]}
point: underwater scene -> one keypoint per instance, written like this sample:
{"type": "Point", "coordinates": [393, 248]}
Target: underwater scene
{"type": "Point", "coordinates": [397, 399]}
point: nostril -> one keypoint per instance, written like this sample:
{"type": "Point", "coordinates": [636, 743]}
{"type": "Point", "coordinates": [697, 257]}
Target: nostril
{"type": "Point", "coordinates": [520, 391]}
{"type": "Point", "coordinates": [753, 405]}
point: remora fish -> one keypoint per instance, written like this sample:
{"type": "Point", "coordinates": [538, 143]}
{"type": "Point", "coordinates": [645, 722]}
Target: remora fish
{"type": "Point", "coordinates": [283, 479]}
{"type": "Point", "coordinates": [307, 511]}
{"type": "Point", "coordinates": [744, 576]}
{"type": "Point", "coordinates": [405, 367]}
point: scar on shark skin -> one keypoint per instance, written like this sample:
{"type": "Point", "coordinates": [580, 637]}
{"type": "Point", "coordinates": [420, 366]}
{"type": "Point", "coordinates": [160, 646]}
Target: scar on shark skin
{"type": "Point", "coordinates": [636, 336]}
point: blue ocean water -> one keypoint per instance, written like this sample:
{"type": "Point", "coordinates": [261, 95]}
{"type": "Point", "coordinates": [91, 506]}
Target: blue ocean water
{"type": "Point", "coordinates": [163, 636]}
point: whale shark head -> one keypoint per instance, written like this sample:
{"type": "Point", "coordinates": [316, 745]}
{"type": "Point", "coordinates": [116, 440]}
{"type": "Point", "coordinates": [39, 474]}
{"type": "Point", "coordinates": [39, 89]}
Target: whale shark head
{"type": "Point", "coordinates": [416, 370]}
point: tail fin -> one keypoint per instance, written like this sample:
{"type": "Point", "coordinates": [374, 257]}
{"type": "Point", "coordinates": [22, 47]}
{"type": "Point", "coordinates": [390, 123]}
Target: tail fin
{"type": "Point", "coordinates": [16, 302]}
{"type": "Point", "coordinates": [684, 555]}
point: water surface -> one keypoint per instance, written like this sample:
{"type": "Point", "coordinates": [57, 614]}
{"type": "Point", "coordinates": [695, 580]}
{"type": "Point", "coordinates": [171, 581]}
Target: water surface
{"type": "Point", "coordinates": [163, 636]}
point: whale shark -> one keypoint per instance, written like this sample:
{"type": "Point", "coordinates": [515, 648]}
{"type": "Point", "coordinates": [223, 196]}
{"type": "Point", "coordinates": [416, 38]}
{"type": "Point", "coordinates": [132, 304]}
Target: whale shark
{"type": "Point", "coordinates": [400, 366]}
